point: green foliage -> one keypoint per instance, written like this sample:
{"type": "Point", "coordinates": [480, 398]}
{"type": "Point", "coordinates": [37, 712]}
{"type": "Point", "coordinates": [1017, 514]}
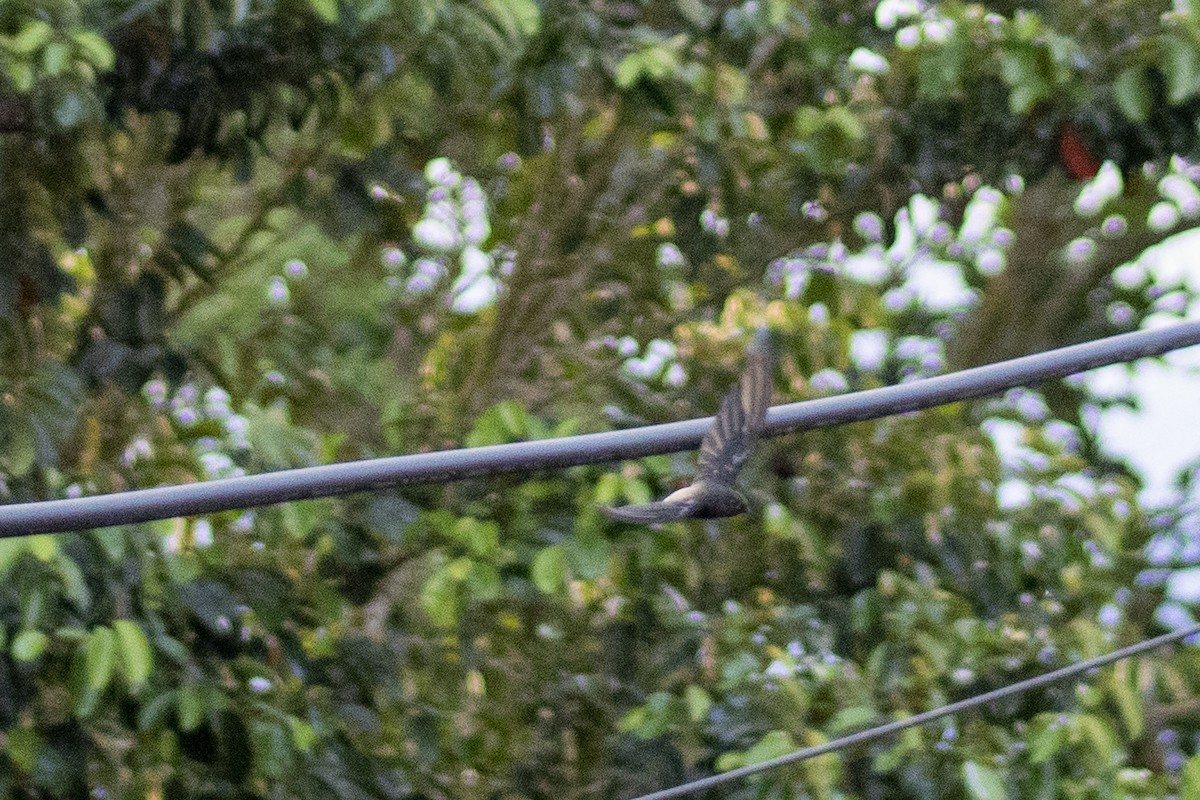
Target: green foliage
{"type": "Point", "coordinates": [245, 236]}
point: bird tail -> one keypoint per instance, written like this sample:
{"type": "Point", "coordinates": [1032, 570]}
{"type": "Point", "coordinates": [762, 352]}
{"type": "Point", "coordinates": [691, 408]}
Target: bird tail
{"type": "Point", "coordinates": [648, 512]}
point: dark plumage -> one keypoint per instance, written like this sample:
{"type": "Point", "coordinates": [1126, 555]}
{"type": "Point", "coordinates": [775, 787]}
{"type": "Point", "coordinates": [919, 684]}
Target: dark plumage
{"type": "Point", "coordinates": [725, 448]}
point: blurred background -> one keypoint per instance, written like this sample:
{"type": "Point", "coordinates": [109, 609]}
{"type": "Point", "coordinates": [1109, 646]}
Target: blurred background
{"type": "Point", "coordinates": [239, 236]}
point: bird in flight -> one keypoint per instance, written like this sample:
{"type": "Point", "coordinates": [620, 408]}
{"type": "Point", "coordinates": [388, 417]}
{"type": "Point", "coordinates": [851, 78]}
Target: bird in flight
{"type": "Point", "coordinates": [723, 451]}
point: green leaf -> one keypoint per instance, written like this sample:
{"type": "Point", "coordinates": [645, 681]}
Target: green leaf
{"type": "Point", "coordinates": [87, 701]}
{"type": "Point", "coordinates": [696, 12]}
{"type": "Point", "coordinates": [95, 49]}
{"type": "Point", "coordinates": [273, 754]}
{"type": "Point", "coordinates": [391, 516]}
{"type": "Point", "coordinates": [439, 598]}
{"type": "Point", "coordinates": [44, 547]}
{"type": "Point", "coordinates": [459, 569]}
{"type": "Point", "coordinates": [1097, 735]}
{"type": "Point", "coordinates": [483, 582]}
{"type": "Point", "coordinates": [852, 718]}
{"type": "Point", "coordinates": [481, 537]}
{"type": "Point", "coordinates": [173, 649]}
{"type": "Point", "coordinates": [518, 18]}
{"type": "Point", "coordinates": [503, 422]}
{"type": "Point", "coordinates": [728, 761]}
{"type": "Point", "coordinates": [304, 736]}
{"type": "Point", "coordinates": [137, 657]}
{"type": "Point", "coordinates": [29, 644]}
{"type": "Point", "coordinates": [845, 122]}
{"type": "Point", "coordinates": [1106, 530]}
{"type": "Point", "coordinates": [940, 71]}
{"type": "Point", "coordinates": [192, 245]}
{"type": "Point", "coordinates": [1122, 685]}
{"type": "Point", "coordinates": [1024, 97]}
{"type": "Point", "coordinates": [21, 74]}
{"type": "Point", "coordinates": [325, 9]}
{"type": "Point", "coordinates": [74, 584]}
{"type": "Point", "coordinates": [1189, 780]}
{"type": "Point", "coordinates": [112, 542]}
{"type": "Point", "coordinates": [909, 743]}
{"type": "Point", "coordinates": [983, 783]}
{"type": "Point", "coordinates": [1021, 68]}
{"type": "Point", "coordinates": [589, 553]}
{"type": "Point", "coordinates": [633, 720]}
{"type": "Point", "coordinates": [773, 745]}
{"type": "Point", "coordinates": [154, 712]}
{"type": "Point", "coordinates": [629, 70]}
{"type": "Point", "coordinates": [698, 703]}
{"type": "Point", "coordinates": [549, 569]}
{"type": "Point", "coordinates": [56, 58]}
{"type": "Point", "coordinates": [1133, 93]}
{"type": "Point", "coordinates": [10, 551]}
{"type": "Point", "coordinates": [22, 748]}
{"type": "Point", "coordinates": [1047, 736]}
{"type": "Point", "coordinates": [212, 604]}
{"type": "Point", "coordinates": [635, 491]}
{"type": "Point", "coordinates": [1182, 68]}
{"type": "Point", "coordinates": [371, 10]}
{"type": "Point", "coordinates": [100, 657]}
{"type": "Point", "coordinates": [513, 417]}
{"type": "Point", "coordinates": [824, 288]}
{"type": "Point", "coordinates": [190, 706]}
{"type": "Point", "coordinates": [32, 37]}
{"type": "Point", "coordinates": [21, 450]}
{"type": "Point", "coordinates": [608, 489]}
{"type": "Point", "coordinates": [652, 719]}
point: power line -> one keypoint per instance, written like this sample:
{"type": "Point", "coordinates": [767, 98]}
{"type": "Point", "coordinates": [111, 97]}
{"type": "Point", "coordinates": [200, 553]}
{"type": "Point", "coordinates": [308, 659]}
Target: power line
{"type": "Point", "coordinates": [920, 719]}
{"type": "Point", "coordinates": [447, 465]}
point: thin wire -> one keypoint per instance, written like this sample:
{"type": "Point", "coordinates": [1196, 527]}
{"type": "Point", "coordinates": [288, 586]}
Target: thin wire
{"type": "Point", "coordinates": [920, 719]}
{"type": "Point", "coordinates": [448, 465]}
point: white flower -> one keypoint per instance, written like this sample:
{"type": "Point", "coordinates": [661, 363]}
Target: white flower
{"type": "Point", "coordinates": [441, 171]}
{"type": "Point", "coordinates": [829, 380]}
{"type": "Point", "coordinates": [1163, 216]}
{"type": "Point", "coordinates": [1183, 192]}
{"type": "Point", "coordinates": [479, 294]}
{"type": "Point", "coordinates": [980, 216]}
{"type": "Point", "coordinates": [779, 669]}
{"type": "Point", "coordinates": [990, 262]}
{"type": "Point", "coordinates": [1107, 185]}
{"type": "Point", "coordinates": [669, 255]}
{"type": "Point", "coordinates": [202, 533]}
{"type": "Point", "coordinates": [277, 291]}
{"type": "Point", "coordinates": [868, 348]}
{"type": "Point", "coordinates": [434, 234]}
{"type": "Point", "coordinates": [1081, 250]}
{"type": "Point", "coordinates": [393, 257]}
{"type": "Point", "coordinates": [676, 376]}
{"type": "Point", "coordinates": [908, 37]}
{"type": "Point", "coordinates": [938, 30]}
{"type": "Point", "coordinates": [868, 61]}
{"type": "Point", "coordinates": [889, 12]}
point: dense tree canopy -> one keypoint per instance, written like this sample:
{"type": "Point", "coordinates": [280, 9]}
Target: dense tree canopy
{"type": "Point", "coordinates": [245, 235]}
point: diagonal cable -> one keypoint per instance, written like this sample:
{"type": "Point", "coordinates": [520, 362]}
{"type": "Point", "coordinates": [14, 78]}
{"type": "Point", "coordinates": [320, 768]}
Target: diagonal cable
{"type": "Point", "coordinates": [880, 731]}
{"type": "Point", "coordinates": [448, 465]}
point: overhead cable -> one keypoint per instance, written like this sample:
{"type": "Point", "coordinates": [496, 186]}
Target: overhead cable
{"type": "Point", "coordinates": [449, 465]}
{"type": "Point", "coordinates": [880, 731]}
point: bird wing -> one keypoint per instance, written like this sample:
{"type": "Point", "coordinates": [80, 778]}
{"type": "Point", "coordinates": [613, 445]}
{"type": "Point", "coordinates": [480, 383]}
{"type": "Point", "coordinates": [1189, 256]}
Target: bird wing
{"type": "Point", "coordinates": [729, 439]}
{"type": "Point", "coordinates": [650, 512]}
